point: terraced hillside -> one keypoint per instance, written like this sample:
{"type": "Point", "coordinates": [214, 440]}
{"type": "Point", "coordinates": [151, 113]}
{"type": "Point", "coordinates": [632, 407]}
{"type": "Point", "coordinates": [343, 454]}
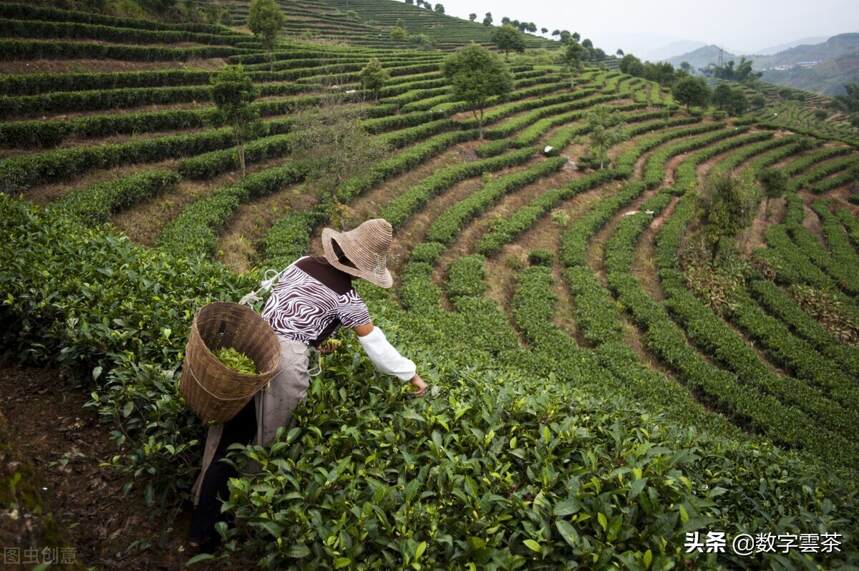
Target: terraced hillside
{"type": "Point", "coordinates": [597, 393]}
{"type": "Point", "coordinates": [369, 23]}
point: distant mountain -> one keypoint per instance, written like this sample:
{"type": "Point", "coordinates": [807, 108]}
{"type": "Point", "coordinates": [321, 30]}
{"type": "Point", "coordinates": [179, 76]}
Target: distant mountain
{"type": "Point", "coordinates": [702, 57]}
{"type": "Point", "coordinates": [828, 77]}
{"type": "Point", "coordinates": [804, 55]}
{"type": "Point", "coordinates": [834, 47]}
{"type": "Point", "coordinates": [780, 48]}
{"type": "Point", "coordinates": [672, 49]}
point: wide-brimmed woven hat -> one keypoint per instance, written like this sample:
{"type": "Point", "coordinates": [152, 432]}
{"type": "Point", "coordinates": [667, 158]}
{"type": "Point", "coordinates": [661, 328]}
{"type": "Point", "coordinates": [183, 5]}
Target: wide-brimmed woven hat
{"type": "Point", "coordinates": [366, 247]}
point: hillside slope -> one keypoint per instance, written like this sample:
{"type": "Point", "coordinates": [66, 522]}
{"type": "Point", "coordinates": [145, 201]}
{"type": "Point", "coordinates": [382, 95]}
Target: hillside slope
{"type": "Point", "coordinates": [597, 391]}
{"type": "Point", "coordinates": [369, 22]}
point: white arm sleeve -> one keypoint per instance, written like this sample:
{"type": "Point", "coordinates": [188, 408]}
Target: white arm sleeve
{"type": "Point", "coordinates": [385, 357]}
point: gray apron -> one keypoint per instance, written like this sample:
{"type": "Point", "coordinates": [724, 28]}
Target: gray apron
{"type": "Point", "coordinates": [274, 403]}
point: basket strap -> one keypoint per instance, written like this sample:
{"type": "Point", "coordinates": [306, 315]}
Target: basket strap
{"type": "Point", "coordinates": [210, 393]}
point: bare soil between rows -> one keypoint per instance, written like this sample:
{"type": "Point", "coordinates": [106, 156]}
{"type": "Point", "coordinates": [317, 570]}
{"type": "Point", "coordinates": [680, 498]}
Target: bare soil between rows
{"type": "Point", "coordinates": [64, 446]}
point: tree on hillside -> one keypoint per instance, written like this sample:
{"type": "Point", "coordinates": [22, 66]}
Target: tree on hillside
{"type": "Point", "coordinates": [605, 132]}
{"type": "Point", "coordinates": [774, 184]}
{"type": "Point", "coordinates": [476, 75]}
{"type": "Point", "coordinates": [849, 102]}
{"type": "Point", "coordinates": [576, 36]}
{"type": "Point", "coordinates": [631, 65]}
{"type": "Point", "coordinates": [725, 206]}
{"type": "Point", "coordinates": [565, 37]}
{"type": "Point", "coordinates": [742, 72]}
{"type": "Point", "coordinates": [334, 147]}
{"type": "Point", "coordinates": [587, 44]}
{"type": "Point", "coordinates": [544, 30]}
{"type": "Point", "coordinates": [619, 53]}
{"type": "Point", "coordinates": [572, 59]}
{"type": "Point", "coordinates": [686, 66]}
{"type": "Point", "coordinates": [505, 20]}
{"type": "Point", "coordinates": [439, 9]}
{"type": "Point", "coordinates": [423, 41]}
{"type": "Point", "coordinates": [373, 77]}
{"type": "Point", "coordinates": [399, 34]}
{"type": "Point", "coordinates": [691, 91]}
{"type": "Point", "coordinates": [556, 32]}
{"type": "Point", "coordinates": [266, 20]}
{"type": "Point", "coordinates": [730, 100]}
{"type": "Point", "coordinates": [487, 19]}
{"type": "Point", "coordinates": [472, 16]}
{"type": "Point", "coordinates": [232, 92]}
{"type": "Point", "coordinates": [508, 38]}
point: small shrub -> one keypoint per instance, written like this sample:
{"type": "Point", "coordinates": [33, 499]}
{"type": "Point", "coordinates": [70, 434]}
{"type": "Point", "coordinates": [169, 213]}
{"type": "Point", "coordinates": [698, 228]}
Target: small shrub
{"type": "Point", "coordinates": [560, 217]}
{"type": "Point", "coordinates": [540, 258]}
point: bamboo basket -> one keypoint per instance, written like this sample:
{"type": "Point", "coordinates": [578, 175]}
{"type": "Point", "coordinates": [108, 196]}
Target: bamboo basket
{"type": "Point", "coordinates": [211, 389]}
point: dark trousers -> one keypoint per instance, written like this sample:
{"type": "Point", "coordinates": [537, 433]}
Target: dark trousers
{"type": "Point", "coordinates": [241, 429]}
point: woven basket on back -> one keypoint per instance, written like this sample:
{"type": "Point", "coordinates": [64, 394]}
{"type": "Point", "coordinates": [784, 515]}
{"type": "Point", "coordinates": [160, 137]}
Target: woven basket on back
{"type": "Point", "coordinates": [212, 390]}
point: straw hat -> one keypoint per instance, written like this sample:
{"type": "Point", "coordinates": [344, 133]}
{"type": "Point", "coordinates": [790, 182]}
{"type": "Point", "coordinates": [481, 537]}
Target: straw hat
{"type": "Point", "coordinates": [366, 247]}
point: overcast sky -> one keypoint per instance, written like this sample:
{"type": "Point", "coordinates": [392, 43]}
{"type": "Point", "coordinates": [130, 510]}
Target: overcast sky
{"type": "Point", "coordinates": [641, 25]}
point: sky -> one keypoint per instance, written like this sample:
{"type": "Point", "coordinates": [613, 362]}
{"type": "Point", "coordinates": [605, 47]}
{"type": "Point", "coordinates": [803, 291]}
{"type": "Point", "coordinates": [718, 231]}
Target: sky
{"type": "Point", "coordinates": [639, 26]}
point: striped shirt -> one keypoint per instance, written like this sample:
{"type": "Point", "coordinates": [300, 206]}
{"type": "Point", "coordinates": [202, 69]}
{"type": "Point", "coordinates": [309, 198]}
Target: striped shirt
{"type": "Point", "coordinates": [311, 300]}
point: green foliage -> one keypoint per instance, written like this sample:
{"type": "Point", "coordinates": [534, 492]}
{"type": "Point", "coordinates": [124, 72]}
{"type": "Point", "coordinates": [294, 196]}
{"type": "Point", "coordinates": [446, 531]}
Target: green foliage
{"type": "Point", "coordinates": [725, 206]}
{"type": "Point", "coordinates": [731, 100]}
{"type": "Point", "coordinates": [741, 72]}
{"type": "Point", "coordinates": [691, 91]}
{"type": "Point", "coordinates": [236, 360]}
{"type": "Point", "coordinates": [606, 130]}
{"type": "Point", "coordinates": [399, 34]}
{"type": "Point", "coordinates": [446, 226]}
{"type": "Point", "coordinates": [373, 76]}
{"type": "Point", "coordinates": [773, 182]}
{"type": "Point", "coordinates": [399, 209]}
{"type": "Point", "coordinates": [194, 232]}
{"type": "Point", "coordinates": [232, 92]}
{"type": "Point", "coordinates": [56, 49]}
{"type": "Point", "coordinates": [540, 257]}
{"type": "Point", "coordinates": [266, 21]}
{"type": "Point", "coordinates": [507, 39]}
{"type": "Point", "coordinates": [849, 102]}
{"type": "Point", "coordinates": [477, 75]}
{"type": "Point", "coordinates": [503, 230]}
{"type": "Point", "coordinates": [574, 55]}
{"type": "Point", "coordinates": [465, 276]}
{"type": "Point", "coordinates": [97, 203]}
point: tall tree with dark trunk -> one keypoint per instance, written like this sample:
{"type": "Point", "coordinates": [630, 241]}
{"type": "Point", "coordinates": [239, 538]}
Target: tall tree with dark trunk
{"type": "Point", "coordinates": [266, 20]}
{"type": "Point", "coordinates": [232, 92]}
{"type": "Point", "coordinates": [476, 75]}
{"type": "Point", "coordinates": [508, 39]}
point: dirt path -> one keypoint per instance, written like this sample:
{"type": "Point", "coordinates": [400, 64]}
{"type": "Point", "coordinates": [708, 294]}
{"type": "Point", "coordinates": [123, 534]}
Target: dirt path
{"type": "Point", "coordinates": [368, 204]}
{"type": "Point", "coordinates": [769, 212]}
{"type": "Point", "coordinates": [470, 235]}
{"type": "Point", "coordinates": [644, 263]}
{"type": "Point", "coordinates": [144, 221]}
{"type": "Point", "coordinates": [811, 222]}
{"type": "Point", "coordinates": [238, 243]}
{"type": "Point", "coordinates": [47, 193]}
{"type": "Point", "coordinates": [416, 227]}
{"type": "Point", "coordinates": [65, 445]}
{"type": "Point", "coordinates": [544, 235]}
